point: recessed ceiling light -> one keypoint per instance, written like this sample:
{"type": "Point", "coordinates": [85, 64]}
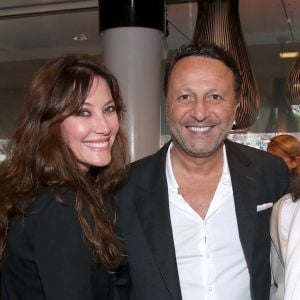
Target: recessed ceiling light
{"type": "Point", "coordinates": [289, 54]}
{"type": "Point", "coordinates": [80, 37]}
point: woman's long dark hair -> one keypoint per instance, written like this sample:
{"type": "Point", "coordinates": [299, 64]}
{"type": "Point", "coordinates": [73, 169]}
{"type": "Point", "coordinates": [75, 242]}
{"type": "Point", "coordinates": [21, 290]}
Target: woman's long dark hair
{"type": "Point", "coordinates": [38, 156]}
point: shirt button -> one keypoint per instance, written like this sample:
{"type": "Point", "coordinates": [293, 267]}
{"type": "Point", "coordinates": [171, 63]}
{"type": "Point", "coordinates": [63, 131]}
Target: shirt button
{"type": "Point", "coordinates": [210, 289]}
{"type": "Point", "coordinates": [207, 256]}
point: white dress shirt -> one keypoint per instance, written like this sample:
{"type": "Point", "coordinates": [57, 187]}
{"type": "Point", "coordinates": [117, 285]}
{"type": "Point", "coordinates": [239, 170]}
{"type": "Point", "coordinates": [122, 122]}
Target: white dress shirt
{"type": "Point", "coordinates": [210, 260]}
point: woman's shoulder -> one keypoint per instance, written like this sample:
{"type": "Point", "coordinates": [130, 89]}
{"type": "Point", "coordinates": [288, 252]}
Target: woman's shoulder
{"type": "Point", "coordinates": [47, 198]}
{"type": "Point", "coordinates": [285, 209]}
{"type": "Point", "coordinates": [48, 217]}
{"type": "Point", "coordinates": [283, 201]}
{"type": "Point", "coordinates": [48, 209]}
{"type": "Point", "coordinates": [44, 217]}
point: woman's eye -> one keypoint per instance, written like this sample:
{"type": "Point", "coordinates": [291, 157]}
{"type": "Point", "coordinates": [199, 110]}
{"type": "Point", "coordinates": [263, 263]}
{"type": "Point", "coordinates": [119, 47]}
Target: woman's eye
{"type": "Point", "coordinates": [83, 113]}
{"type": "Point", "coordinates": [110, 108]}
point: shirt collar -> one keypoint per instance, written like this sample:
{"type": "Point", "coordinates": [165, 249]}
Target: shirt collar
{"type": "Point", "coordinates": [172, 183]}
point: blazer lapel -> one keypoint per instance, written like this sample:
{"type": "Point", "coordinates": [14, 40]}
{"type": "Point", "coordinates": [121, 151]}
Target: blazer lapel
{"type": "Point", "coordinates": [153, 210]}
{"type": "Point", "coordinates": [245, 191]}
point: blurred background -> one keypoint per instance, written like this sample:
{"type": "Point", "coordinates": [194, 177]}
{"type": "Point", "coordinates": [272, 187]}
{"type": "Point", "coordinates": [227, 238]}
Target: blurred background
{"type": "Point", "coordinates": [33, 31]}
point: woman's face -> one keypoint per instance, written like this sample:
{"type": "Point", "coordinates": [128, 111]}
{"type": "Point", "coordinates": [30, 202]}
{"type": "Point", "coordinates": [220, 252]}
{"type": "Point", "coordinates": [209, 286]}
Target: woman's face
{"type": "Point", "coordinates": [91, 132]}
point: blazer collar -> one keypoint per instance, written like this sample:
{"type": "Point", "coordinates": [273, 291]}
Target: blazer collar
{"type": "Point", "coordinates": [153, 210]}
{"type": "Point", "coordinates": [246, 189]}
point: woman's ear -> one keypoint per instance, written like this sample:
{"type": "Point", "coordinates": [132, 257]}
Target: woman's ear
{"type": "Point", "coordinates": [295, 162]}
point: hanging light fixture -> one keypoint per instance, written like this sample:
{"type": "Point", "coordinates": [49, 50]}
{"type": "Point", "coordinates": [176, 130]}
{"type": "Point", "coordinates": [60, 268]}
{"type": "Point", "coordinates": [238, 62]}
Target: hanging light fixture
{"type": "Point", "coordinates": [218, 21]}
{"type": "Point", "coordinates": [293, 86]}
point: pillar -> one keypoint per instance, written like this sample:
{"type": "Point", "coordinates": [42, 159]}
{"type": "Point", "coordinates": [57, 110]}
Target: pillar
{"type": "Point", "coordinates": [132, 48]}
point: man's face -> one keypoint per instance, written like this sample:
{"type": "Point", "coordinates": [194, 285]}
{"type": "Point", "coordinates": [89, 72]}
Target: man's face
{"type": "Point", "coordinates": [201, 104]}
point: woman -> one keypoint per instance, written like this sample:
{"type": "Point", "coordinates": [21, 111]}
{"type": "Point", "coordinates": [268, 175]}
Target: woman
{"type": "Point", "coordinates": [64, 161]}
{"type": "Point", "coordinates": [288, 148]}
{"type": "Point", "coordinates": [285, 249]}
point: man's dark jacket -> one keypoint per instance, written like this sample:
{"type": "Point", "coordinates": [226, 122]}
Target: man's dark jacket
{"type": "Point", "coordinates": [143, 220]}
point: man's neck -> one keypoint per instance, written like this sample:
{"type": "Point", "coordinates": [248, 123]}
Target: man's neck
{"type": "Point", "coordinates": [197, 178]}
{"type": "Point", "coordinates": [186, 163]}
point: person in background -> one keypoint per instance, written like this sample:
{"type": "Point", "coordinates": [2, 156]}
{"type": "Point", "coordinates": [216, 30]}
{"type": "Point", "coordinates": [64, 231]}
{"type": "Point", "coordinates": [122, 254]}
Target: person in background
{"type": "Point", "coordinates": [65, 158]}
{"type": "Point", "coordinates": [194, 217]}
{"type": "Point", "coordinates": [285, 224]}
{"type": "Point", "coordinates": [288, 148]}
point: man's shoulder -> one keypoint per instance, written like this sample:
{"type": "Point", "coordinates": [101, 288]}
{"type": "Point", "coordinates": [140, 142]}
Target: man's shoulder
{"type": "Point", "coordinates": [268, 168]}
{"type": "Point", "coordinates": [250, 152]}
{"type": "Point", "coordinates": [145, 172]}
{"type": "Point", "coordinates": [150, 162]}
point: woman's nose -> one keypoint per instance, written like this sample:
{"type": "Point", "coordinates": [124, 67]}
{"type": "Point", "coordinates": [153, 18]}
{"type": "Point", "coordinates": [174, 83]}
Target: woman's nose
{"type": "Point", "coordinates": [101, 126]}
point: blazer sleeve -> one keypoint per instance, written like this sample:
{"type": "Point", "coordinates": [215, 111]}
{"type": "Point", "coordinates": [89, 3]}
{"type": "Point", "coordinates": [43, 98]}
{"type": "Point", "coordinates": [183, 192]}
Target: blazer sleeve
{"type": "Point", "coordinates": [292, 271]}
{"type": "Point", "coordinates": [63, 256]}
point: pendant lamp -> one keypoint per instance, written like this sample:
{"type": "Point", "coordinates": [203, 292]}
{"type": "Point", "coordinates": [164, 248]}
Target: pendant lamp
{"type": "Point", "coordinates": [293, 86]}
{"type": "Point", "coordinates": [218, 22]}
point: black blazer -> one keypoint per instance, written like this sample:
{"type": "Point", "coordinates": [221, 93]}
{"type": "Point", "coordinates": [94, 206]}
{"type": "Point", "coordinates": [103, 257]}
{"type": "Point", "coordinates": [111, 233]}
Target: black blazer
{"type": "Point", "coordinates": [144, 223]}
{"type": "Point", "coordinates": [47, 256]}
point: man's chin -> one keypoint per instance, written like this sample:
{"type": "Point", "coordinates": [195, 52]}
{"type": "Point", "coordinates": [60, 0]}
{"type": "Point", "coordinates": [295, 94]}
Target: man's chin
{"type": "Point", "coordinates": [196, 151]}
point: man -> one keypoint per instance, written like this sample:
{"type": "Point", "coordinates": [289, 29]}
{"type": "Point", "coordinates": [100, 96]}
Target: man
{"type": "Point", "coordinates": [194, 217]}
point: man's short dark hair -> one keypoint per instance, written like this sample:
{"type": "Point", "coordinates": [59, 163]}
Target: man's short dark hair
{"type": "Point", "coordinates": [209, 50]}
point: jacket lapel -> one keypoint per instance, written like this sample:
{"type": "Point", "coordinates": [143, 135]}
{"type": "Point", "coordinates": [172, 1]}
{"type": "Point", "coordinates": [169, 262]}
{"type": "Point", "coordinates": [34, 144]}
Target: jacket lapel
{"type": "Point", "coordinates": [246, 192]}
{"type": "Point", "coordinates": [153, 210]}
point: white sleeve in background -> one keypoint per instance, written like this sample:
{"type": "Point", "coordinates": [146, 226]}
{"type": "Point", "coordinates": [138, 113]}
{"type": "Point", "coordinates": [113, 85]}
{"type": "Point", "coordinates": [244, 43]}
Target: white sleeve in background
{"type": "Point", "coordinates": [292, 267]}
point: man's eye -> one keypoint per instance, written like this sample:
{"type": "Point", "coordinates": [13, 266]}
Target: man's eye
{"type": "Point", "coordinates": [184, 97]}
{"type": "Point", "coordinates": [216, 97]}
{"type": "Point", "coordinates": [110, 108]}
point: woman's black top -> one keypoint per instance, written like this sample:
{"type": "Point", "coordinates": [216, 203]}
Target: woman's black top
{"type": "Point", "coordinates": [48, 257]}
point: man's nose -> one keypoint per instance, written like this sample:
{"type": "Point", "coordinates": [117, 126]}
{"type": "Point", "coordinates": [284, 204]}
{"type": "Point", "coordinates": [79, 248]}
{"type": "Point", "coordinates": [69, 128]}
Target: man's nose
{"type": "Point", "coordinates": [199, 109]}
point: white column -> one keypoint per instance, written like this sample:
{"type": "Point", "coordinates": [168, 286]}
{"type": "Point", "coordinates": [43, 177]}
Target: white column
{"type": "Point", "coordinates": [134, 56]}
